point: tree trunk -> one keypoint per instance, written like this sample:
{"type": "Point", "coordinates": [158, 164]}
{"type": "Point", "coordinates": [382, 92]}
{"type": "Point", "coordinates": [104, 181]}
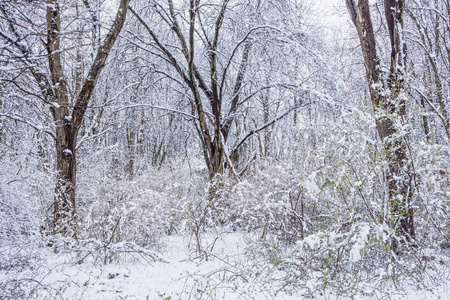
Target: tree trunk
{"type": "Point", "coordinates": [268, 132]}
{"type": "Point", "coordinates": [216, 161]}
{"type": "Point", "coordinates": [387, 109]}
{"type": "Point", "coordinates": [131, 145]}
{"type": "Point", "coordinates": [64, 203]}
{"type": "Point", "coordinates": [68, 123]}
{"type": "Point", "coordinates": [54, 90]}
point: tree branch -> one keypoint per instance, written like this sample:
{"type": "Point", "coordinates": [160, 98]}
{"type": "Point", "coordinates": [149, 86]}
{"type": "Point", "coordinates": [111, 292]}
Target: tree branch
{"type": "Point", "coordinates": [264, 126]}
{"type": "Point", "coordinates": [98, 64]}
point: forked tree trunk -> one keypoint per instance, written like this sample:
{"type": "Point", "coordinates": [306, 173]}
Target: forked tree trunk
{"type": "Point", "coordinates": [68, 122]}
{"type": "Point", "coordinates": [67, 116]}
{"type": "Point", "coordinates": [212, 127]}
{"type": "Point", "coordinates": [388, 108]}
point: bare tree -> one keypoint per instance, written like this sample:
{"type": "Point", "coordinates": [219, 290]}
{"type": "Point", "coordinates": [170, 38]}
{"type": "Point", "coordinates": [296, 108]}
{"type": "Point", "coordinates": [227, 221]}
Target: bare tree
{"type": "Point", "coordinates": [213, 68]}
{"type": "Point", "coordinates": [388, 101]}
{"type": "Point", "coordinates": [431, 41]}
{"type": "Point", "coordinates": [53, 85]}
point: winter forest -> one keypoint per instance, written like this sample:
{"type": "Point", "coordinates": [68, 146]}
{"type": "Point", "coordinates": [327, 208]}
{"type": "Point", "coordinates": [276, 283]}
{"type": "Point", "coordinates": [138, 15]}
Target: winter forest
{"type": "Point", "coordinates": [224, 149]}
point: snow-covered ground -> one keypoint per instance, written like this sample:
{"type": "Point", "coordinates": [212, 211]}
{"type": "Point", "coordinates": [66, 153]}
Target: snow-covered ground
{"type": "Point", "coordinates": [179, 274]}
{"type": "Point", "coordinates": [172, 278]}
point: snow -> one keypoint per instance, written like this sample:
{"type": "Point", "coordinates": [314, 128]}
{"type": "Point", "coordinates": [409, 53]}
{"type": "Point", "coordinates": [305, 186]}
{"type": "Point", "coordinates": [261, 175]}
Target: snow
{"type": "Point", "coordinates": [183, 276]}
{"type": "Point", "coordinates": [67, 152]}
{"type": "Point", "coordinates": [313, 241]}
{"type": "Point", "coordinates": [6, 68]}
{"type": "Point", "coordinates": [309, 218]}
{"type": "Point", "coordinates": [361, 238]}
{"type": "Point", "coordinates": [135, 278]}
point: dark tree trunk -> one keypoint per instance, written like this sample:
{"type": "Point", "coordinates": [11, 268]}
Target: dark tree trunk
{"type": "Point", "coordinates": [216, 162]}
{"type": "Point", "coordinates": [68, 122]}
{"type": "Point", "coordinates": [399, 175]}
{"type": "Point", "coordinates": [64, 204]}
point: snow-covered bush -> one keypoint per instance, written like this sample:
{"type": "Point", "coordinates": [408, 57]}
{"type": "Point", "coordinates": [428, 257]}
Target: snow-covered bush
{"type": "Point", "coordinates": [343, 262]}
{"type": "Point", "coordinates": [432, 183]}
{"type": "Point", "coordinates": [275, 200]}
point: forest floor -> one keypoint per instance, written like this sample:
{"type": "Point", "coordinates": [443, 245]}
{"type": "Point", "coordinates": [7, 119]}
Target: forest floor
{"type": "Point", "coordinates": [178, 274]}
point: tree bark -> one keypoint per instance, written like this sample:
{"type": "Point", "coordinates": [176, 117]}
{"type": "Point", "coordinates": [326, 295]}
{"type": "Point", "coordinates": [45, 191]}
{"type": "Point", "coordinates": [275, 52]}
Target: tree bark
{"type": "Point", "coordinates": [64, 202]}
